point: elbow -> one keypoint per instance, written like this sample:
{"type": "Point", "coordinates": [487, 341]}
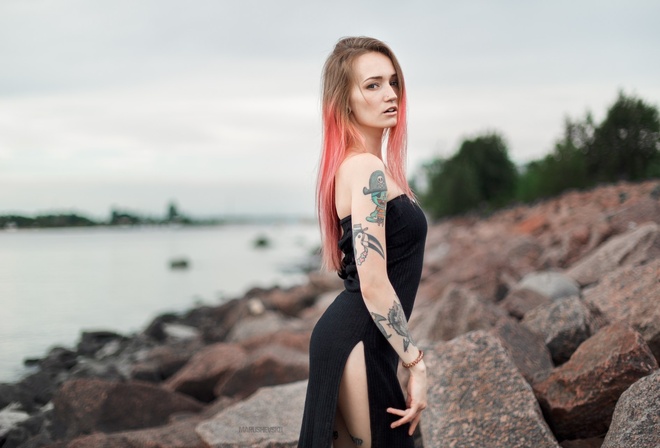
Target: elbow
{"type": "Point", "coordinates": [373, 286]}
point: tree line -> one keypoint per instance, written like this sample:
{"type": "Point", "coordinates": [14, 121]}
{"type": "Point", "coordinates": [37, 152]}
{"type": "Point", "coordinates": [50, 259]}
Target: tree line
{"type": "Point", "coordinates": [481, 177]}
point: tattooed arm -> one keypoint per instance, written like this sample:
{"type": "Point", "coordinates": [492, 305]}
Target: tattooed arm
{"type": "Point", "coordinates": [362, 179]}
{"type": "Point", "coordinates": [365, 182]}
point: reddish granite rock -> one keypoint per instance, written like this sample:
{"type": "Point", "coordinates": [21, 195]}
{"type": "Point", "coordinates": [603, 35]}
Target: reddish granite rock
{"type": "Point", "coordinates": [215, 322]}
{"type": "Point", "coordinates": [632, 295]}
{"type": "Point", "coordinates": [83, 406]}
{"type": "Point", "coordinates": [519, 301]}
{"type": "Point", "coordinates": [456, 312]}
{"type": "Point", "coordinates": [267, 322]}
{"type": "Point", "coordinates": [312, 314]}
{"type": "Point", "coordinates": [578, 397]}
{"type": "Point", "coordinates": [631, 248]}
{"type": "Point", "coordinates": [636, 419]}
{"type": "Point", "coordinates": [477, 398]}
{"type": "Point", "coordinates": [563, 324]}
{"type": "Point", "coordinates": [642, 211]}
{"type": "Point", "coordinates": [266, 366]}
{"type": "Point", "coordinates": [176, 435]}
{"type": "Point", "coordinates": [297, 340]}
{"type": "Point", "coordinates": [210, 365]}
{"type": "Point", "coordinates": [526, 349]}
{"type": "Point", "coordinates": [271, 418]}
{"type": "Point", "coordinates": [290, 301]}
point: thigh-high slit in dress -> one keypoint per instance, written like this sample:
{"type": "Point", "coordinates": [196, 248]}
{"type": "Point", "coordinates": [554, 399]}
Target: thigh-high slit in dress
{"type": "Point", "coordinates": [347, 321]}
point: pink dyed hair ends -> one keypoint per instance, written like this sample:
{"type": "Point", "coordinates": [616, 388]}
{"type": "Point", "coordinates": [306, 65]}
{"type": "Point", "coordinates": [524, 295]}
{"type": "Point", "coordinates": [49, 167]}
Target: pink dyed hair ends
{"type": "Point", "coordinates": [339, 134]}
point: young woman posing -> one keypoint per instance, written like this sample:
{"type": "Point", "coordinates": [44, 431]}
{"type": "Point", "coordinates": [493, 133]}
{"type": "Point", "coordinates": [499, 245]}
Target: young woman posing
{"type": "Point", "coordinates": [373, 234]}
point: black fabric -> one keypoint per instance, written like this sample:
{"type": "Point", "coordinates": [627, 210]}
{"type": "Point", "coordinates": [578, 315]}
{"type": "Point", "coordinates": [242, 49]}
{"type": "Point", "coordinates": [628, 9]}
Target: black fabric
{"type": "Point", "coordinates": [347, 321]}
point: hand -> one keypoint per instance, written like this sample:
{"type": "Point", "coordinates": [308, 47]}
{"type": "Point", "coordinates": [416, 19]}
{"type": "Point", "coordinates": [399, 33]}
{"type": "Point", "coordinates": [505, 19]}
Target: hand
{"type": "Point", "coordinates": [416, 401]}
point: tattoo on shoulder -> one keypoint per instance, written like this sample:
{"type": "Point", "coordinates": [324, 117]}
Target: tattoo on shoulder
{"type": "Point", "coordinates": [396, 320]}
{"type": "Point", "coordinates": [367, 241]}
{"type": "Point", "coordinates": [378, 191]}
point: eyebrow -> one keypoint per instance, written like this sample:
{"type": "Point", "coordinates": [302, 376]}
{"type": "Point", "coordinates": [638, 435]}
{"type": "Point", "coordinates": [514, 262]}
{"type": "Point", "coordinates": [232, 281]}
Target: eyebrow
{"type": "Point", "coordinates": [379, 78]}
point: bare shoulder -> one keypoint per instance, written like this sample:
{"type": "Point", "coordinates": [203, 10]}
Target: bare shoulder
{"type": "Point", "coordinates": [359, 164]}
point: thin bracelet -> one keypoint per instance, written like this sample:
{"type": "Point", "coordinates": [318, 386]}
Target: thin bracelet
{"type": "Point", "coordinates": [412, 363]}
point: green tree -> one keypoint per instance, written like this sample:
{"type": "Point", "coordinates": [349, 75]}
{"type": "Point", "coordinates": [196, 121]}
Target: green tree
{"type": "Point", "coordinates": [479, 175]}
{"type": "Point", "coordinates": [626, 145]}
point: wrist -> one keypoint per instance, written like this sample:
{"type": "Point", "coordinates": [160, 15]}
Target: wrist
{"type": "Point", "coordinates": [414, 362]}
{"type": "Point", "coordinates": [418, 369]}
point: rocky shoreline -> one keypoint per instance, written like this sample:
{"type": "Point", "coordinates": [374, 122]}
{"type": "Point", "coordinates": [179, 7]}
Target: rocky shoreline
{"type": "Point", "coordinates": [541, 326]}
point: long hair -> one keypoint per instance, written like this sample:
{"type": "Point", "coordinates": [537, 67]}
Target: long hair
{"type": "Point", "coordinates": [340, 134]}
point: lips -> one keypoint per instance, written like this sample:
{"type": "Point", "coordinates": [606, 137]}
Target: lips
{"type": "Point", "coordinates": [391, 110]}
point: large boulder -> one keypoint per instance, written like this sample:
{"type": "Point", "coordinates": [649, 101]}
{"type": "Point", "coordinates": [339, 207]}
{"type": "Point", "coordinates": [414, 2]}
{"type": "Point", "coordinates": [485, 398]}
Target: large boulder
{"type": "Point", "coordinates": [477, 398]}
{"type": "Point", "coordinates": [269, 418]}
{"type": "Point", "coordinates": [551, 284]}
{"type": "Point", "coordinates": [632, 248]}
{"type": "Point", "coordinates": [519, 301]}
{"type": "Point", "coordinates": [297, 340]}
{"type": "Point", "coordinates": [578, 397]}
{"type": "Point", "coordinates": [163, 361]}
{"type": "Point", "coordinates": [264, 323]}
{"type": "Point", "coordinates": [266, 366]}
{"type": "Point", "coordinates": [631, 295]}
{"type": "Point", "coordinates": [636, 419]}
{"type": "Point", "coordinates": [458, 311]}
{"type": "Point", "coordinates": [526, 349]}
{"type": "Point", "coordinates": [564, 325]}
{"type": "Point", "coordinates": [180, 434]}
{"type": "Point", "coordinates": [206, 368]}
{"type": "Point", "coordinates": [83, 406]}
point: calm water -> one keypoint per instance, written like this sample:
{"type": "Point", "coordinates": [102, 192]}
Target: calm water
{"type": "Point", "coordinates": [56, 282]}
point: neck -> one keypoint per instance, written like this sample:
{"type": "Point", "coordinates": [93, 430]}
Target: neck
{"type": "Point", "coordinates": [373, 141]}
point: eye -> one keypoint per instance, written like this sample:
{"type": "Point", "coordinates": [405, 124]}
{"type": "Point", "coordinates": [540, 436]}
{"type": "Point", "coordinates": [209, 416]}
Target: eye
{"type": "Point", "coordinates": [394, 83]}
{"type": "Point", "coordinates": [372, 86]}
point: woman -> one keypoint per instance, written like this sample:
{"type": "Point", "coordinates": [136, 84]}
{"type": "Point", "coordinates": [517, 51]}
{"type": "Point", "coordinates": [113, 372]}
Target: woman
{"type": "Point", "coordinates": [366, 210]}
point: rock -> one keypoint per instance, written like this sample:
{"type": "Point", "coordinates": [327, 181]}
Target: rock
{"type": "Point", "coordinates": [312, 314]}
{"type": "Point", "coordinates": [176, 435]}
{"type": "Point", "coordinates": [297, 340]}
{"type": "Point", "coordinates": [215, 323]}
{"type": "Point", "coordinates": [178, 332]}
{"type": "Point", "coordinates": [270, 418]}
{"type": "Point", "coordinates": [578, 397]}
{"type": "Point", "coordinates": [160, 363]}
{"type": "Point", "coordinates": [477, 398]}
{"type": "Point", "coordinates": [266, 366]}
{"type": "Point", "coordinates": [83, 406]}
{"type": "Point", "coordinates": [292, 301]}
{"type": "Point", "coordinates": [591, 442]}
{"type": "Point", "coordinates": [631, 248]}
{"type": "Point", "coordinates": [93, 341]}
{"type": "Point", "coordinates": [643, 211]}
{"type": "Point", "coordinates": [630, 295]}
{"type": "Point", "coordinates": [155, 329]}
{"type": "Point", "coordinates": [268, 322]}
{"type": "Point", "coordinates": [23, 430]}
{"type": "Point", "coordinates": [456, 312]}
{"type": "Point", "coordinates": [564, 325]}
{"type": "Point", "coordinates": [554, 285]}
{"type": "Point", "coordinates": [526, 349]}
{"type": "Point", "coordinates": [636, 419]}
{"type": "Point", "coordinates": [10, 417]}
{"type": "Point", "coordinates": [206, 368]}
{"type": "Point", "coordinates": [519, 301]}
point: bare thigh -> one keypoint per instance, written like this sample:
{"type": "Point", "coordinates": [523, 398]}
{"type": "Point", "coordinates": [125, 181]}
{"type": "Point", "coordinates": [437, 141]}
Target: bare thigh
{"type": "Point", "coordinates": [353, 405]}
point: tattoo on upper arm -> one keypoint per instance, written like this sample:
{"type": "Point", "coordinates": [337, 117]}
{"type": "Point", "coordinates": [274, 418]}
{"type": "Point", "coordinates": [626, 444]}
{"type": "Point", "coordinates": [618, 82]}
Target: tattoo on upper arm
{"type": "Point", "coordinates": [378, 191]}
{"type": "Point", "coordinates": [367, 241]}
{"type": "Point", "coordinates": [396, 319]}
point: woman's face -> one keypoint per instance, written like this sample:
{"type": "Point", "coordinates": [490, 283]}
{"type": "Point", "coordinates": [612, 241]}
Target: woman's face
{"type": "Point", "coordinates": [374, 96]}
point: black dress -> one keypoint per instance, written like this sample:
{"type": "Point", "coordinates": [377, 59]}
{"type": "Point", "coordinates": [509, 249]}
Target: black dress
{"type": "Point", "coordinates": [347, 321]}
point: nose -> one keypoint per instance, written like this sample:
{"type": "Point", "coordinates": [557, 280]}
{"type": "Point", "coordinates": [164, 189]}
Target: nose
{"type": "Point", "coordinates": [390, 94]}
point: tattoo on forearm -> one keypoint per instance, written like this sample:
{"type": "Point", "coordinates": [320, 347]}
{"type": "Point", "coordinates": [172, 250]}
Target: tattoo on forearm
{"type": "Point", "coordinates": [396, 319]}
{"type": "Point", "coordinates": [367, 241]}
{"type": "Point", "coordinates": [378, 191]}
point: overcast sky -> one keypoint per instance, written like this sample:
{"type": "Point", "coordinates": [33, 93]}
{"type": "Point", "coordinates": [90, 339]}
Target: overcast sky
{"type": "Point", "coordinates": [215, 104]}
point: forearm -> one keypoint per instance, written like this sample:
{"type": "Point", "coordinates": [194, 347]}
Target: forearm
{"type": "Point", "coordinates": [386, 311]}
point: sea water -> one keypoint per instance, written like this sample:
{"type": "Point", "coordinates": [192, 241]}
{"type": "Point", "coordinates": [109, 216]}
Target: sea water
{"type": "Point", "coordinates": [54, 283]}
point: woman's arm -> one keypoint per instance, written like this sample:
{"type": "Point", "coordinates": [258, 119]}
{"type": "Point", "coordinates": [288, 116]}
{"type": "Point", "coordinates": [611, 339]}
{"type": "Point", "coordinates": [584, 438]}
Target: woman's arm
{"type": "Point", "coordinates": [364, 176]}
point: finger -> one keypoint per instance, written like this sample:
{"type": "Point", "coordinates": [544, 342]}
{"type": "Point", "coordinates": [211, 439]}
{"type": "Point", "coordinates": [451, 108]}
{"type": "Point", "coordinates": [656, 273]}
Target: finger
{"type": "Point", "coordinates": [414, 424]}
{"type": "Point", "coordinates": [403, 420]}
{"type": "Point", "coordinates": [397, 411]}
